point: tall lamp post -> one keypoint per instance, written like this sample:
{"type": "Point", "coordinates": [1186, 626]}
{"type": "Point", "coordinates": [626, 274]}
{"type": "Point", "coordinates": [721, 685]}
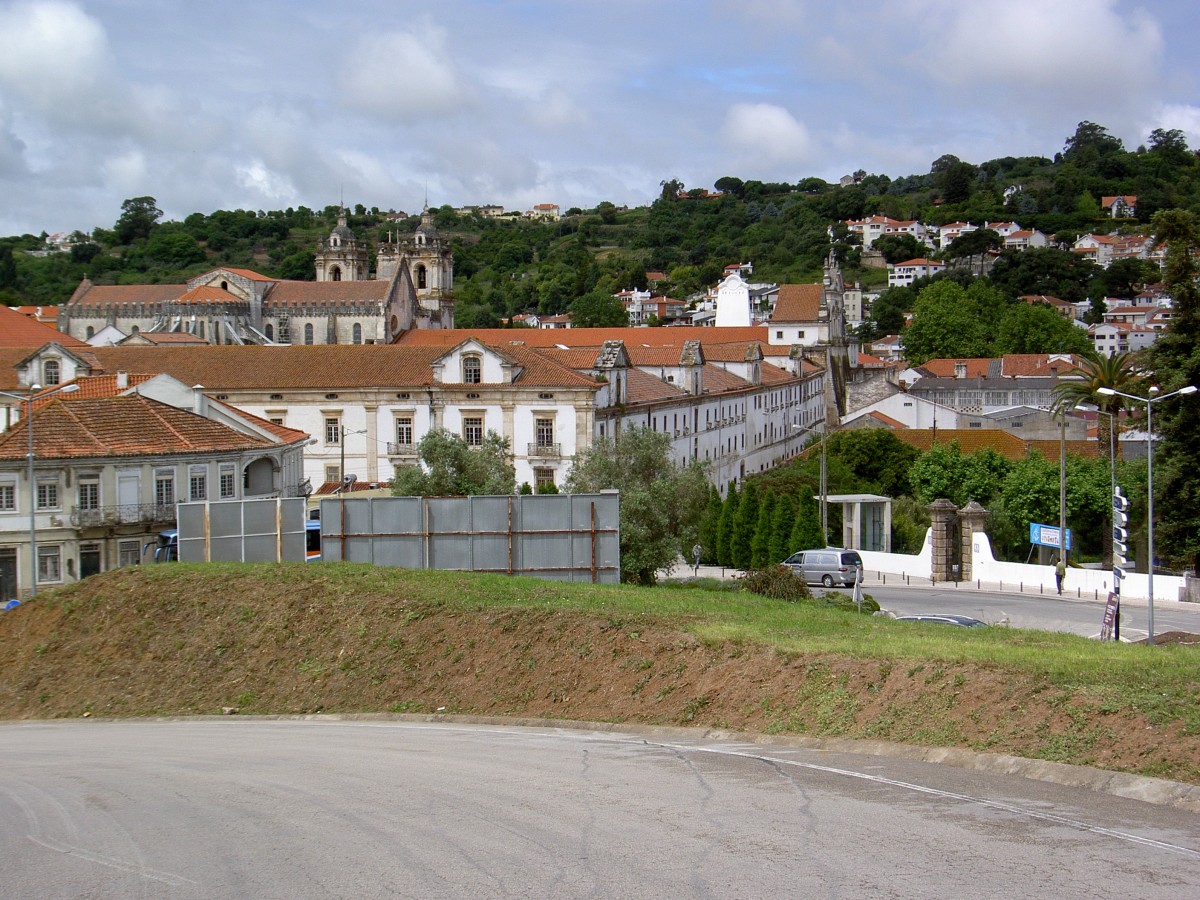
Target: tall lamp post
{"type": "Point", "coordinates": [1149, 401]}
{"type": "Point", "coordinates": [34, 389]}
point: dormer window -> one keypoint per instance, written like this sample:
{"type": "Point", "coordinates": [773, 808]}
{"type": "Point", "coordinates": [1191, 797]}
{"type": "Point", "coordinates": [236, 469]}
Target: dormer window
{"type": "Point", "coordinates": [51, 372]}
{"type": "Point", "coordinates": [472, 369]}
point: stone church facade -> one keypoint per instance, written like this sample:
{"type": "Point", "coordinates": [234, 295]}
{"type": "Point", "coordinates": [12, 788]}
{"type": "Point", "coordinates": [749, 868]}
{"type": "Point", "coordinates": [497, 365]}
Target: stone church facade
{"type": "Point", "coordinates": [413, 288]}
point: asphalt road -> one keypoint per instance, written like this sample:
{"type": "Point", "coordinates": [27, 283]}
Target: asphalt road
{"type": "Point", "coordinates": [1031, 610]}
{"type": "Point", "coordinates": [305, 809]}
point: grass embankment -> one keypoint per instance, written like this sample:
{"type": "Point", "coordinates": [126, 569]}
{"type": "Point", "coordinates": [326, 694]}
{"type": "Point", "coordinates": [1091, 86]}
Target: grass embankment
{"type": "Point", "coordinates": [193, 639]}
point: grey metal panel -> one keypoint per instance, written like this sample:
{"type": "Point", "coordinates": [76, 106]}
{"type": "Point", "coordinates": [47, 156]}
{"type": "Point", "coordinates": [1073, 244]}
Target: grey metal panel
{"type": "Point", "coordinates": [565, 537]}
{"type": "Point", "coordinates": [259, 530]}
{"type": "Point", "coordinates": [189, 519]}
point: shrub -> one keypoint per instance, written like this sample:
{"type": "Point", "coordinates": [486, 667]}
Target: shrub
{"type": "Point", "coordinates": [839, 600]}
{"type": "Point", "coordinates": [776, 582]}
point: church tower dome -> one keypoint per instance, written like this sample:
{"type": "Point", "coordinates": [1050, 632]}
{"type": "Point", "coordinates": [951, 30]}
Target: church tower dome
{"type": "Point", "coordinates": [341, 257]}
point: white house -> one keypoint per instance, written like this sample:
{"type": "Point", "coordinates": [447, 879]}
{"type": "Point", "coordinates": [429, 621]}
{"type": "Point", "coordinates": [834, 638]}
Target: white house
{"type": "Point", "coordinates": [111, 460]}
{"type": "Point", "coordinates": [905, 273]}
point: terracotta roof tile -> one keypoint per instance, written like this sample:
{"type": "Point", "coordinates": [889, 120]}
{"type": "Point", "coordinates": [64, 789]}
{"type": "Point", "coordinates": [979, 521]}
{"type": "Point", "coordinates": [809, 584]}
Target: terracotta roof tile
{"type": "Point", "coordinates": [121, 426]}
{"type": "Point", "coordinates": [584, 337]}
{"type": "Point", "coordinates": [328, 366]}
{"type": "Point", "coordinates": [17, 330]}
{"type": "Point", "coordinates": [644, 388]}
{"type": "Point", "coordinates": [797, 303]}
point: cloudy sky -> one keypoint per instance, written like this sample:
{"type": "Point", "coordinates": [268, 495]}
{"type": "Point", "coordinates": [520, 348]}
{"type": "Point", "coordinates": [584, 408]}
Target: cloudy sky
{"type": "Point", "coordinates": [210, 104]}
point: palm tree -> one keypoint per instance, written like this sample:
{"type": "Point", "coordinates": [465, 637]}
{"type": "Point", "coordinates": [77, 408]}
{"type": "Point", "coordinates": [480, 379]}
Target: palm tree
{"type": "Point", "coordinates": [1118, 372]}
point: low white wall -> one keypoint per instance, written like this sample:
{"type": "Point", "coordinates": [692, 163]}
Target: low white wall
{"type": "Point", "coordinates": [1022, 576]}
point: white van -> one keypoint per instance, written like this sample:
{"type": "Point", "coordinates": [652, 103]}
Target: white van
{"type": "Point", "coordinates": [829, 566]}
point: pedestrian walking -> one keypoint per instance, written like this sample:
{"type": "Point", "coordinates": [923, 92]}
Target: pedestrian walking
{"type": "Point", "coordinates": [1060, 572]}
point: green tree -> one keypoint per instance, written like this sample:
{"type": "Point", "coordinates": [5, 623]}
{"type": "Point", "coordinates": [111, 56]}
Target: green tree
{"type": "Point", "coordinates": [727, 525]}
{"type": "Point", "coordinates": [451, 468]}
{"type": "Point", "coordinates": [806, 531]}
{"type": "Point", "coordinates": [781, 529]}
{"type": "Point", "coordinates": [710, 525]}
{"type": "Point", "coordinates": [1038, 328]}
{"type": "Point", "coordinates": [946, 323]}
{"type": "Point", "coordinates": [760, 544]}
{"type": "Point", "coordinates": [741, 542]}
{"type": "Point", "coordinates": [138, 217]}
{"type": "Point", "coordinates": [1175, 362]}
{"type": "Point", "coordinates": [598, 310]}
{"type": "Point", "coordinates": [661, 504]}
{"type": "Point", "coordinates": [8, 267]}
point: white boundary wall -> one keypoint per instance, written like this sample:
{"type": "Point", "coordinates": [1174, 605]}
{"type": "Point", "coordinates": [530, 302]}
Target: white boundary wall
{"type": "Point", "coordinates": [988, 570]}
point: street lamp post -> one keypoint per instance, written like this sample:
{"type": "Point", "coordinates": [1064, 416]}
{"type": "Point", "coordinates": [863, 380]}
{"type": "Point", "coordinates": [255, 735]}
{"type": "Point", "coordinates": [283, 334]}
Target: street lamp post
{"type": "Point", "coordinates": [28, 401]}
{"type": "Point", "coordinates": [1149, 401]}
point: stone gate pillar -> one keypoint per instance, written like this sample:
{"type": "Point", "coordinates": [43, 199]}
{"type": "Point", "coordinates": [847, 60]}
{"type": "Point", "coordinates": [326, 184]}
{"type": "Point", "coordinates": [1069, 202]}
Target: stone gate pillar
{"type": "Point", "coordinates": [971, 518]}
{"type": "Point", "coordinates": [944, 537]}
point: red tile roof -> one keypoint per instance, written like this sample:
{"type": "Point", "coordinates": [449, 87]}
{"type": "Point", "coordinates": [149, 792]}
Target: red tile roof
{"type": "Point", "coordinates": [584, 337]}
{"type": "Point", "coordinates": [328, 366]}
{"type": "Point", "coordinates": [797, 303]}
{"type": "Point", "coordinates": [121, 426]}
{"type": "Point", "coordinates": [17, 330]}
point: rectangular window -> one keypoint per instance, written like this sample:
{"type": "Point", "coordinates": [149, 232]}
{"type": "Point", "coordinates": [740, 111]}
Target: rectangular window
{"type": "Point", "coordinates": [472, 370]}
{"type": "Point", "coordinates": [404, 430]}
{"type": "Point", "coordinates": [333, 430]}
{"type": "Point", "coordinates": [89, 492]}
{"type": "Point", "coordinates": [129, 553]}
{"type": "Point", "coordinates": [47, 495]}
{"type": "Point", "coordinates": [197, 483]}
{"type": "Point", "coordinates": [8, 497]}
{"type": "Point", "coordinates": [49, 563]}
{"type": "Point", "coordinates": [276, 420]}
{"type": "Point", "coordinates": [473, 431]}
{"type": "Point", "coordinates": [228, 478]}
{"type": "Point", "coordinates": [333, 473]}
{"type": "Point", "coordinates": [544, 430]}
{"type": "Point", "coordinates": [543, 477]}
{"type": "Point", "coordinates": [164, 487]}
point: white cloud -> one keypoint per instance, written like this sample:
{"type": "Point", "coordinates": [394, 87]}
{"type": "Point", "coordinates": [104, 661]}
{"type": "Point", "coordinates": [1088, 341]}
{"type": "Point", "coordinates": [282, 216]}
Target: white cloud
{"type": "Point", "coordinates": [403, 75]}
{"type": "Point", "coordinates": [272, 187]}
{"type": "Point", "coordinates": [1034, 44]}
{"type": "Point", "coordinates": [766, 134]}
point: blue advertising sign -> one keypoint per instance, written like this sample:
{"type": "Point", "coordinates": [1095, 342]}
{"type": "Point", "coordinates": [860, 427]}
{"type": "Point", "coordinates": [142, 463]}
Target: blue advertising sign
{"type": "Point", "coordinates": [1047, 535]}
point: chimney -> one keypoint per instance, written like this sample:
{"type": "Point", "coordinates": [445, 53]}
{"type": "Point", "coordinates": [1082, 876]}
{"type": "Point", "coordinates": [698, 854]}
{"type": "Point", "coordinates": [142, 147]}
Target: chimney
{"type": "Point", "coordinates": [122, 380]}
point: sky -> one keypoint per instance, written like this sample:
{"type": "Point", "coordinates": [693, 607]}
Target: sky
{"type": "Point", "coordinates": [209, 104]}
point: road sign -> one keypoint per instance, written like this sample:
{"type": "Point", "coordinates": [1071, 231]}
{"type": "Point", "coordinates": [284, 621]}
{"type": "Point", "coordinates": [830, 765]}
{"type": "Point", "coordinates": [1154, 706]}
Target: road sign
{"type": "Point", "coordinates": [1118, 574]}
{"type": "Point", "coordinates": [1110, 626]}
{"type": "Point", "coordinates": [1047, 535]}
{"type": "Point", "coordinates": [1120, 501]}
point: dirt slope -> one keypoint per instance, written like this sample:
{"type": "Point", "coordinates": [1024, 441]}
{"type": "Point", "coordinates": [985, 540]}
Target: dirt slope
{"type": "Point", "coordinates": [107, 648]}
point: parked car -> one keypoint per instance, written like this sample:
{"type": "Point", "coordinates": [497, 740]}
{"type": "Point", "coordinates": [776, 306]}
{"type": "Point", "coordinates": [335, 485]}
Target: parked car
{"type": "Point", "coordinates": [166, 547]}
{"type": "Point", "coordinates": [946, 619]}
{"type": "Point", "coordinates": [828, 566]}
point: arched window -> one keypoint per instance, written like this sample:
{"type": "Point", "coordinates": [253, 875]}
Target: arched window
{"type": "Point", "coordinates": [269, 331]}
{"type": "Point", "coordinates": [357, 339]}
{"type": "Point", "coordinates": [134, 330]}
{"type": "Point", "coordinates": [308, 333]}
{"type": "Point", "coordinates": [422, 278]}
{"type": "Point", "coordinates": [200, 325]}
{"type": "Point", "coordinates": [335, 273]}
{"type": "Point", "coordinates": [472, 367]}
{"type": "Point", "coordinates": [51, 372]}
{"type": "Point", "coordinates": [90, 333]}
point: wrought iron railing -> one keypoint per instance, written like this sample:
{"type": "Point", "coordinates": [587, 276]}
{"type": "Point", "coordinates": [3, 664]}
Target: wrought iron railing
{"type": "Point", "coordinates": [545, 451]}
{"type": "Point", "coordinates": [125, 513]}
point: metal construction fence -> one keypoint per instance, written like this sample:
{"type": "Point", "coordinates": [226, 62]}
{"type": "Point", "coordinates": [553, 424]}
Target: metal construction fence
{"type": "Point", "coordinates": [268, 530]}
{"type": "Point", "coordinates": [561, 537]}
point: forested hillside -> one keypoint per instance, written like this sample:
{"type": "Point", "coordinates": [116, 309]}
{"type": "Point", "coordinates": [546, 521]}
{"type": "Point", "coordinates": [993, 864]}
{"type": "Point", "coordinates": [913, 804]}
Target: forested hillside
{"type": "Point", "coordinates": [516, 265]}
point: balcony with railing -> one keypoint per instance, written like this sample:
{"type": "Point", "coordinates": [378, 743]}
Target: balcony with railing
{"type": "Point", "coordinates": [395, 448]}
{"type": "Point", "coordinates": [545, 451]}
{"type": "Point", "coordinates": [125, 514]}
